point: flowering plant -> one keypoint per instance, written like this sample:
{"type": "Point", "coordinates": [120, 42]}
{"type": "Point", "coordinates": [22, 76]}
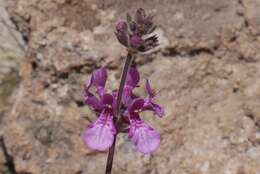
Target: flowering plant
{"type": "Point", "coordinates": [119, 110]}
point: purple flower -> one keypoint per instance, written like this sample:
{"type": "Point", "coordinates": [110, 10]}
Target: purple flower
{"type": "Point", "coordinates": [100, 134]}
{"type": "Point", "coordinates": [141, 134]}
{"type": "Point", "coordinates": [135, 33]}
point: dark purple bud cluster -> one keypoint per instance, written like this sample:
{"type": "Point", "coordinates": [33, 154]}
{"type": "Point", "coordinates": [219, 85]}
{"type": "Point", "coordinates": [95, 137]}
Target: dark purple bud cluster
{"type": "Point", "coordinates": [137, 33]}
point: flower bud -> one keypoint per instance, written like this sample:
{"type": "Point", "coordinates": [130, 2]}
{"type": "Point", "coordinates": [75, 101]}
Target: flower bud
{"type": "Point", "coordinates": [122, 33]}
{"type": "Point", "coordinates": [136, 41]}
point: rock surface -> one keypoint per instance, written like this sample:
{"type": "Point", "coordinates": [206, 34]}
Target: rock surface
{"type": "Point", "coordinates": [12, 51]}
{"type": "Point", "coordinates": [206, 70]}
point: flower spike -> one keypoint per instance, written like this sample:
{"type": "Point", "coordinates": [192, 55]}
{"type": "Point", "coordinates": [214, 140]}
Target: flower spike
{"type": "Point", "coordinates": [135, 33]}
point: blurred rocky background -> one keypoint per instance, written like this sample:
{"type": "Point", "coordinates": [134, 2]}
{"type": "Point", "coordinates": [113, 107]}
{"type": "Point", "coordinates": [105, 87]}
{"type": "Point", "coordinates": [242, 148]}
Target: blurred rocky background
{"type": "Point", "coordinates": [206, 70]}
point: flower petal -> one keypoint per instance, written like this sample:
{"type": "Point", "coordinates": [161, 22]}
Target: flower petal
{"type": "Point", "coordinates": [132, 80]}
{"type": "Point", "coordinates": [158, 110]}
{"type": "Point", "coordinates": [107, 99]}
{"type": "Point", "coordinates": [144, 137]}
{"type": "Point", "coordinates": [127, 95]}
{"type": "Point", "coordinates": [93, 102]}
{"type": "Point", "coordinates": [151, 106]}
{"type": "Point", "coordinates": [136, 105]}
{"type": "Point", "coordinates": [100, 135]}
{"type": "Point", "coordinates": [133, 77]}
{"type": "Point", "coordinates": [99, 77]}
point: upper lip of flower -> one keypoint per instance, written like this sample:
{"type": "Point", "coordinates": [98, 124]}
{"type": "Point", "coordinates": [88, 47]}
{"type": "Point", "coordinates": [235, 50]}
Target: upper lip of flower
{"type": "Point", "coordinates": [105, 100]}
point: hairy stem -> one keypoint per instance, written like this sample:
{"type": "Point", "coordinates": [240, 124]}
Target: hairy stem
{"type": "Point", "coordinates": [117, 111]}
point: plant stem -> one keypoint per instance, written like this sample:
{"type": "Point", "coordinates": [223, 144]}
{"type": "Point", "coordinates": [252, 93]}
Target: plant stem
{"type": "Point", "coordinates": [127, 65]}
{"type": "Point", "coordinates": [110, 157]}
{"type": "Point", "coordinates": [122, 84]}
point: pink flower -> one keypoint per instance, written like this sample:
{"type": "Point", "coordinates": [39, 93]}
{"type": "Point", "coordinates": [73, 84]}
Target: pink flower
{"type": "Point", "coordinates": [141, 134]}
{"type": "Point", "coordinates": [100, 134]}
